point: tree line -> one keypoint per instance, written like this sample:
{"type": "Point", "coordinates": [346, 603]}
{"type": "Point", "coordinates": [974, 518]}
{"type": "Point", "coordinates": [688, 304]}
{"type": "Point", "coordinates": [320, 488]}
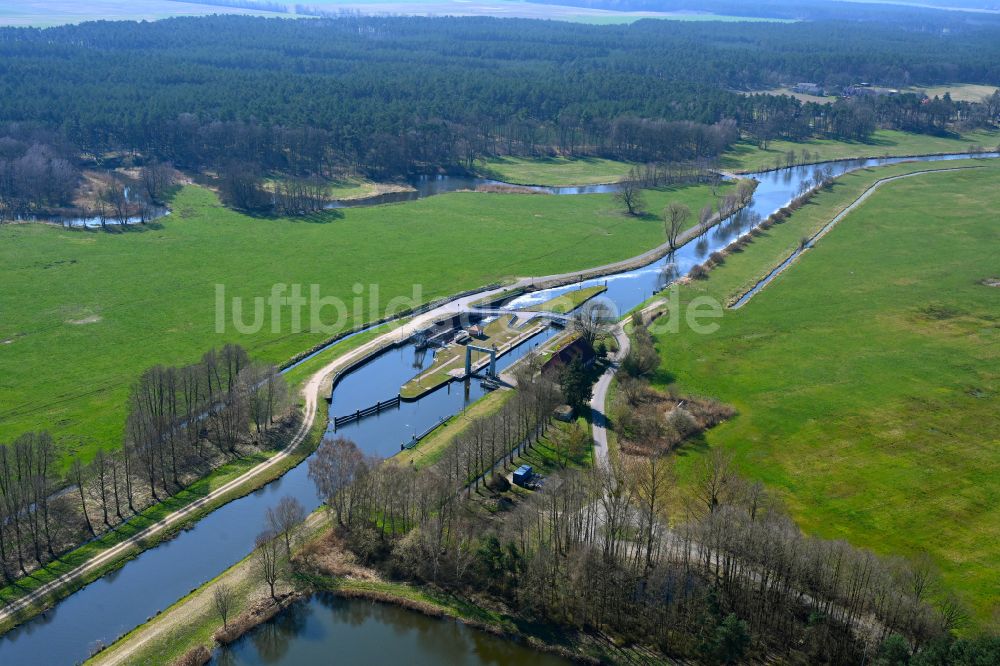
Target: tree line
{"type": "Point", "coordinates": [38, 170]}
{"type": "Point", "coordinates": [41, 174]}
{"type": "Point", "coordinates": [181, 423]}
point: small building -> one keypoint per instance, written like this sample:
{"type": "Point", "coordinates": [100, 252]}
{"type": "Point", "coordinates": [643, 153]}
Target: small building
{"type": "Point", "coordinates": [806, 88]}
{"type": "Point", "coordinates": [523, 474]}
{"type": "Point", "coordinates": [477, 331]}
{"type": "Point", "coordinates": [564, 413]}
{"type": "Point", "coordinates": [578, 349]}
{"type": "Point", "coordinates": [866, 90]}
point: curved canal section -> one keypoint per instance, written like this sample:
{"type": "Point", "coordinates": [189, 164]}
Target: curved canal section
{"type": "Point", "coordinates": [115, 604]}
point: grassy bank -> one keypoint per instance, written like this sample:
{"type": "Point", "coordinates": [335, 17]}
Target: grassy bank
{"type": "Point", "coordinates": [569, 301]}
{"type": "Point", "coordinates": [85, 312]}
{"type": "Point", "coordinates": [553, 171]}
{"type": "Point", "coordinates": [866, 376]}
{"type": "Point", "coordinates": [431, 448]}
{"type": "Point", "coordinates": [193, 619]}
{"type": "Point", "coordinates": [349, 187]}
{"type": "Point", "coordinates": [884, 143]}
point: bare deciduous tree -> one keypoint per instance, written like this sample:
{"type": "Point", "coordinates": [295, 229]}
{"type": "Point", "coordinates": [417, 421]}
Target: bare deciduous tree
{"type": "Point", "coordinates": [223, 598]}
{"type": "Point", "coordinates": [113, 195]}
{"type": "Point", "coordinates": [336, 464]}
{"type": "Point", "coordinates": [675, 216]}
{"type": "Point", "coordinates": [593, 321]}
{"type": "Point", "coordinates": [715, 480]}
{"type": "Point", "coordinates": [629, 193]}
{"type": "Point", "coordinates": [76, 474]}
{"type": "Point", "coordinates": [267, 558]}
{"type": "Point", "coordinates": [283, 519]}
{"type": "Point", "coordinates": [157, 178]}
{"type": "Point", "coordinates": [706, 215]}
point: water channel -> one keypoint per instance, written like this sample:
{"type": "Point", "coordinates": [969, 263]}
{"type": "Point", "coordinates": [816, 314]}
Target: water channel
{"type": "Point", "coordinates": [115, 604]}
{"type": "Point", "coordinates": [368, 633]}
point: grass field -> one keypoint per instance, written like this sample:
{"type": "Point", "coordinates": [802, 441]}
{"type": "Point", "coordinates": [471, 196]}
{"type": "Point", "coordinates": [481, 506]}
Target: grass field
{"type": "Point", "coordinates": [960, 92]}
{"type": "Point", "coordinates": [554, 170]}
{"type": "Point", "coordinates": [867, 376]}
{"type": "Point", "coordinates": [350, 187]}
{"type": "Point", "coordinates": [568, 301]}
{"type": "Point", "coordinates": [83, 313]}
{"type": "Point", "coordinates": [43, 13]}
{"type": "Point", "coordinates": [748, 157]}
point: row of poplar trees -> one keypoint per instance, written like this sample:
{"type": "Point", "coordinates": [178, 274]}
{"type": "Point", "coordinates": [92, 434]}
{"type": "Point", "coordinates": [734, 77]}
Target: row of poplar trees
{"type": "Point", "coordinates": [181, 423]}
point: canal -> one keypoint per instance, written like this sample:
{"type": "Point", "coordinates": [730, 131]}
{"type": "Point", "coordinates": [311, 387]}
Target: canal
{"type": "Point", "coordinates": [115, 604]}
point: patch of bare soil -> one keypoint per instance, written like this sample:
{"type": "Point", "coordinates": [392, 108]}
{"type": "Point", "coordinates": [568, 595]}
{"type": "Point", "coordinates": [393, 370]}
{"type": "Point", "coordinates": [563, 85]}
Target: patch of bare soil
{"type": "Point", "coordinates": [990, 282]}
{"type": "Point", "coordinates": [92, 319]}
{"type": "Point", "coordinates": [93, 183]}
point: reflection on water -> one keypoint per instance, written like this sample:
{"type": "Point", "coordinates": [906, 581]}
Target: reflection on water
{"type": "Point", "coordinates": [362, 632]}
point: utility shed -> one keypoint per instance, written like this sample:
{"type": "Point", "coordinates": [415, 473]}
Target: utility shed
{"type": "Point", "coordinates": [523, 474]}
{"type": "Point", "coordinates": [564, 413]}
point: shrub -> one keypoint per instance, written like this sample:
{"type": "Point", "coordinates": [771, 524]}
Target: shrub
{"type": "Point", "coordinates": [498, 484]}
{"type": "Point", "coordinates": [681, 420]}
{"type": "Point", "coordinates": [717, 258]}
{"type": "Point", "coordinates": [196, 656]}
{"type": "Point", "coordinates": [699, 272]}
{"type": "Point", "coordinates": [730, 641]}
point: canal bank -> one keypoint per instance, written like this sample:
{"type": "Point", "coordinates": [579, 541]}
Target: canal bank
{"type": "Point", "coordinates": [189, 626]}
{"type": "Point", "coordinates": [226, 534]}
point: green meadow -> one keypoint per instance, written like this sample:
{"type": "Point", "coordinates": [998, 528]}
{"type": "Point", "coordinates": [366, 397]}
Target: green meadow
{"type": "Point", "coordinates": [743, 157]}
{"type": "Point", "coordinates": [83, 313]}
{"type": "Point", "coordinates": [554, 171]}
{"type": "Point", "coordinates": [884, 143]}
{"type": "Point", "coordinates": [867, 375]}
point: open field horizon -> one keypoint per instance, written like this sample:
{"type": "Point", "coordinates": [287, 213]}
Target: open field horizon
{"type": "Point", "coordinates": [45, 13]}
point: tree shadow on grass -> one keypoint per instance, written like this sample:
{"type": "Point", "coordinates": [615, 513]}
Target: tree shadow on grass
{"type": "Point", "coordinates": [696, 444]}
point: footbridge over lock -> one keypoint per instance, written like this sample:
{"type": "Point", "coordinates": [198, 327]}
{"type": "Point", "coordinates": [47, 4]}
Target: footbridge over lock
{"type": "Point", "coordinates": [557, 317]}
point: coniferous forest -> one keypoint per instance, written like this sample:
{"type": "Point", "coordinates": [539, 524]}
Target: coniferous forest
{"type": "Point", "coordinates": [389, 96]}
